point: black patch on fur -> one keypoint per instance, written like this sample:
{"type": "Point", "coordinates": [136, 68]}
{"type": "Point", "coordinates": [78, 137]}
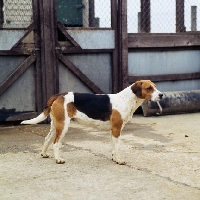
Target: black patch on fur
{"type": "Point", "coordinates": [94, 106]}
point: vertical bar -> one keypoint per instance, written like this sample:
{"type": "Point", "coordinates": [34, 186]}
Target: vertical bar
{"type": "Point", "coordinates": [48, 53]}
{"type": "Point", "coordinates": [123, 43]}
{"type": "Point", "coordinates": [86, 13]}
{"type": "Point", "coordinates": [115, 67]}
{"type": "Point", "coordinates": [139, 22]}
{"type": "Point", "coordinates": [145, 16]}
{"type": "Point", "coordinates": [38, 72]}
{"type": "Point", "coordinates": [1, 14]}
{"type": "Point", "coordinates": [91, 13]}
{"type": "Point", "coordinates": [193, 18]}
{"type": "Point", "coordinates": [180, 26]}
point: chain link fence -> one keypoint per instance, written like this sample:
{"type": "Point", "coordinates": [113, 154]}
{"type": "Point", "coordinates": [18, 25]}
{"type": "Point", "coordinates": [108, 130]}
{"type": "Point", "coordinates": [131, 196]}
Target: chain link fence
{"type": "Point", "coordinates": [84, 13]}
{"type": "Point", "coordinates": [144, 16]}
{"type": "Point", "coordinates": [15, 13]}
{"type": "Point", "coordinates": [72, 13]}
{"type": "Point", "coordinates": [159, 16]}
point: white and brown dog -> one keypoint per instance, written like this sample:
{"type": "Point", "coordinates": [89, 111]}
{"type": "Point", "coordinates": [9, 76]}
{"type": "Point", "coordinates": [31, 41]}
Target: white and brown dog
{"type": "Point", "coordinates": [110, 111]}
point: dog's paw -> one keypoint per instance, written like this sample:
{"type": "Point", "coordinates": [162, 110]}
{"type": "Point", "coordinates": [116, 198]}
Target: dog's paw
{"type": "Point", "coordinates": [44, 155]}
{"type": "Point", "coordinates": [60, 161]}
{"type": "Point", "coordinates": [118, 160]}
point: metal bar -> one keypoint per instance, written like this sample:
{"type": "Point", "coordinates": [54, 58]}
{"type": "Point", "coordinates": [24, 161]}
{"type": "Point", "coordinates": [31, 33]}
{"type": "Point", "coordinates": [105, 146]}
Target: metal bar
{"type": "Point", "coordinates": [139, 22]}
{"type": "Point", "coordinates": [145, 16]}
{"type": "Point", "coordinates": [193, 18]}
{"type": "Point", "coordinates": [16, 74]}
{"type": "Point", "coordinates": [91, 13]}
{"type": "Point", "coordinates": [180, 25]}
{"type": "Point", "coordinates": [80, 75]}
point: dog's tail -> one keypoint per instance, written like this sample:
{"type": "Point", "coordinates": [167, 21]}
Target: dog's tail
{"type": "Point", "coordinates": [37, 119]}
{"type": "Point", "coordinates": [45, 112]}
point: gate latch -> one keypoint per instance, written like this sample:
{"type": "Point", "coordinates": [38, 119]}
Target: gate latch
{"type": "Point", "coordinates": [61, 49]}
{"type": "Point", "coordinates": [34, 51]}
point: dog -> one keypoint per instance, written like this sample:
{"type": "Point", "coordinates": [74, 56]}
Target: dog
{"type": "Point", "coordinates": [105, 111]}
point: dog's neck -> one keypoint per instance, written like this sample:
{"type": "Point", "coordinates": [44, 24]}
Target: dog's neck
{"type": "Point", "coordinates": [129, 99]}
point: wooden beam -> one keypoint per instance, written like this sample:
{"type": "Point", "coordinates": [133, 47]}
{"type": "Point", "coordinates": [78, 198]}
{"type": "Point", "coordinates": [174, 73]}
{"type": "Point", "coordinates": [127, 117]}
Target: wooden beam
{"type": "Point", "coordinates": [123, 43]}
{"type": "Point", "coordinates": [38, 70]}
{"type": "Point", "coordinates": [64, 32]}
{"type": "Point", "coordinates": [67, 49]}
{"type": "Point", "coordinates": [136, 40]}
{"type": "Point", "coordinates": [115, 55]}
{"type": "Point", "coordinates": [48, 33]}
{"type": "Point", "coordinates": [16, 74]}
{"type": "Point", "coordinates": [21, 116]}
{"type": "Point", "coordinates": [1, 14]}
{"type": "Point", "coordinates": [166, 77]}
{"type": "Point", "coordinates": [29, 28]}
{"type": "Point", "coordinates": [15, 52]}
{"type": "Point", "coordinates": [80, 75]}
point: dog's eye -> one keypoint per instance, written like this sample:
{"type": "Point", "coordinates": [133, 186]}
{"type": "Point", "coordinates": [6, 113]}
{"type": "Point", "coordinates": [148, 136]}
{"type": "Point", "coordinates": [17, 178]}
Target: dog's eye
{"type": "Point", "coordinates": [149, 88]}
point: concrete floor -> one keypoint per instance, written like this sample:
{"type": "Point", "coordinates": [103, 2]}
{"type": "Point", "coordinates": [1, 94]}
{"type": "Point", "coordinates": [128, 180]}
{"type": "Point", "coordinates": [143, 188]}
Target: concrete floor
{"type": "Point", "coordinates": [162, 155]}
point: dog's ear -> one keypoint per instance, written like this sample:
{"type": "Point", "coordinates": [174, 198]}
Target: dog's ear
{"type": "Point", "coordinates": [137, 88]}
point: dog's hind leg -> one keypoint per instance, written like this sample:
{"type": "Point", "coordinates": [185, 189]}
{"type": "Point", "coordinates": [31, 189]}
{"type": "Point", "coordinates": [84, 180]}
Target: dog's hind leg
{"type": "Point", "coordinates": [48, 140]}
{"type": "Point", "coordinates": [60, 133]}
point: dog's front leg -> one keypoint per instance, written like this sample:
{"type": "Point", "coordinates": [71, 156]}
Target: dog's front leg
{"type": "Point", "coordinates": [115, 148]}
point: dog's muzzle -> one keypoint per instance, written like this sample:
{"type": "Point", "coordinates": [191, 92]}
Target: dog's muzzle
{"type": "Point", "coordinates": [160, 96]}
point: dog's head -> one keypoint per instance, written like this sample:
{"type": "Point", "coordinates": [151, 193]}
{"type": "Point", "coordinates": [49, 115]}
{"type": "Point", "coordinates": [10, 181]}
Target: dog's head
{"type": "Point", "coordinates": [145, 89]}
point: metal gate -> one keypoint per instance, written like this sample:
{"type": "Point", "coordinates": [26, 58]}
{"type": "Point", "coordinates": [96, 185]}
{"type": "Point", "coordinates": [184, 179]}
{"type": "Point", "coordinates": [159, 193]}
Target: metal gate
{"type": "Point", "coordinates": [43, 54]}
{"type": "Point", "coordinates": [48, 47]}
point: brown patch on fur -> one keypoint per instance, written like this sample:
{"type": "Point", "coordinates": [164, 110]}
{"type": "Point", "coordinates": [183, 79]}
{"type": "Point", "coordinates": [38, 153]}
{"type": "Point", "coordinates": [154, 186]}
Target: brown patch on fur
{"type": "Point", "coordinates": [71, 110]}
{"type": "Point", "coordinates": [143, 89]}
{"type": "Point", "coordinates": [116, 123]}
{"type": "Point", "coordinates": [47, 109]}
{"type": "Point", "coordinates": [58, 114]}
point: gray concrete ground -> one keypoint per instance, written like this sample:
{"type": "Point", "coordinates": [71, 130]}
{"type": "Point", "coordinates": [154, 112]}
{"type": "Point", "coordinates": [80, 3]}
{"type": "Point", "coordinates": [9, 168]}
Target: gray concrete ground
{"type": "Point", "coordinates": [162, 154]}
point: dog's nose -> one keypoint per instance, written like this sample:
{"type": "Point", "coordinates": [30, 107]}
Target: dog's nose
{"type": "Point", "coordinates": [160, 95]}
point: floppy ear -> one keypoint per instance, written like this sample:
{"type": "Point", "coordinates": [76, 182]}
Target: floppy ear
{"type": "Point", "coordinates": [137, 88]}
